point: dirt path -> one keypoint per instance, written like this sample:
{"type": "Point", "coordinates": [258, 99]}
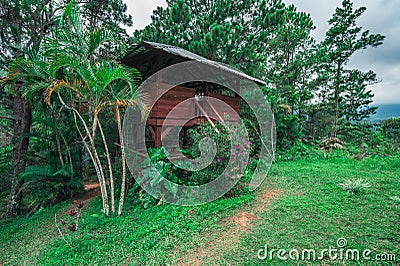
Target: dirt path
{"type": "Point", "coordinates": [220, 241]}
{"type": "Point", "coordinates": [92, 190]}
{"type": "Point", "coordinates": [234, 228]}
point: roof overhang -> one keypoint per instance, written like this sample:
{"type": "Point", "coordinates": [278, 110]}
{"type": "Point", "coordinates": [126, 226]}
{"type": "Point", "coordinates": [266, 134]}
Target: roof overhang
{"type": "Point", "coordinates": [149, 57]}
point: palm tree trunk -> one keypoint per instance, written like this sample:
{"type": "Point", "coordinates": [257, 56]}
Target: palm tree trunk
{"type": "Point", "coordinates": [59, 150]}
{"type": "Point", "coordinates": [109, 168]}
{"type": "Point", "coordinates": [92, 152]}
{"type": "Point", "coordinates": [123, 184]}
{"type": "Point", "coordinates": [101, 177]}
{"type": "Point", "coordinates": [97, 167]}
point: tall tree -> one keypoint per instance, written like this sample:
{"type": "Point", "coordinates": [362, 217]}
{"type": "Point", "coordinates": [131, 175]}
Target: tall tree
{"type": "Point", "coordinates": [70, 65]}
{"type": "Point", "coordinates": [110, 13]}
{"type": "Point", "coordinates": [346, 93]}
{"type": "Point", "coordinates": [289, 73]}
{"type": "Point", "coordinates": [231, 32]}
{"type": "Point", "coordinates": [23, 24]}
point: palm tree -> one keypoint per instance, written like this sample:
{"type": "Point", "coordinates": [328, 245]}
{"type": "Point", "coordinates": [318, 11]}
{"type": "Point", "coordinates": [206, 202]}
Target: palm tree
{"type": "Point", "coordinates": [71, 65]}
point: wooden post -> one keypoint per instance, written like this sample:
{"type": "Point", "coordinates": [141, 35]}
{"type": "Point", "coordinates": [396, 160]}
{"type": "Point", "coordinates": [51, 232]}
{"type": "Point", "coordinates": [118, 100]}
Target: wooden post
{"type": "Point", "coordinates": [215, 111]}
{"type": "Point", "coordinates": [158, 136]}
{"type": "Point", "coordinates": [206, 115]}
{"type": "Point", "coordinates": [185, 137]}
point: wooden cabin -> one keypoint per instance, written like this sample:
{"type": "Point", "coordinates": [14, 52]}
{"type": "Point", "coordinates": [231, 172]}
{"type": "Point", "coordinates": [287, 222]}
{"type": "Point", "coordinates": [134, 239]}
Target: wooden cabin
{"type": "Point", "coordinates": [148, 58]}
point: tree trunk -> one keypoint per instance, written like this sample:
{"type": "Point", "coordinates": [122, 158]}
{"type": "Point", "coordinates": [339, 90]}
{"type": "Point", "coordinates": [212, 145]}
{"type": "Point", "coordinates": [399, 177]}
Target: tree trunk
{"type": "Point", "coordinates": [91, 151]}
{"type": "Point", "coordinates": [123, 184]}
{"type": "Point", "coordinates": [103, 137]}
{"type": "Point", "coordinates": [102, 180]}
{"type": "Point", "coordinates": [336, 101]}
{"type": "Point", "coordinates": [22, 112]}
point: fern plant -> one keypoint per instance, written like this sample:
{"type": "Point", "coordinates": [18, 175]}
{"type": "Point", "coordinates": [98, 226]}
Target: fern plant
{"type": "Point", "coordinates": [49, 184]}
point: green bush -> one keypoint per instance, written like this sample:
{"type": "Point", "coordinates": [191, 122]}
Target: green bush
{"type": "Point", "coordinates": [228, 143]}
{"type": "Point", "coordinates": [298, 150]}
{"type": "Point", "coordinates": [391, 130]}
{"type": "Point", "coordinates": [157, 166]}
{"type": "Point", "coordinates": [47, 185]}
{"type": "Point", "coordinates": [6, 170]}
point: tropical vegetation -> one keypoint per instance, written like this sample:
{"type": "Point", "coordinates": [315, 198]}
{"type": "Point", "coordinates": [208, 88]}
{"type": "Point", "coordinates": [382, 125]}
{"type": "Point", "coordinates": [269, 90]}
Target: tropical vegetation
{"type": "Point", "coordinates": [64, 94]}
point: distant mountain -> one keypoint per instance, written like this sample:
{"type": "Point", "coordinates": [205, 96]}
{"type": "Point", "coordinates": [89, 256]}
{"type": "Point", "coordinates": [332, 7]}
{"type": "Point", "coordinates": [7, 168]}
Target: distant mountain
{"type": "Point", "coordinates": [386, 111]}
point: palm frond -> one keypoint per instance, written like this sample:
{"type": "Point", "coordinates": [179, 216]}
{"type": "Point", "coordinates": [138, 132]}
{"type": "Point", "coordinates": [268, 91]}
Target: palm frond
{"type": "Point", "coordinates": [70, 17]}
{"type": "Point", "coordinates": [47, 93]}
{"type": "Point", "coordinates": [99, 37]}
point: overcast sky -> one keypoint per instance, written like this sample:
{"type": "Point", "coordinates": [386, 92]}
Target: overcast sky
{"type": "Point", "coordinates": [381, 17]}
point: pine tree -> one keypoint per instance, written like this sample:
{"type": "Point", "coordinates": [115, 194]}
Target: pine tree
{"type": "Point", "coordinates": [231, 32]}
{"type": "Point", "coordinates": [346, 93]}
{"type": "Point", "coordinates": [22, 26]}
{"type": "Point", "coordinates": [289, 73]}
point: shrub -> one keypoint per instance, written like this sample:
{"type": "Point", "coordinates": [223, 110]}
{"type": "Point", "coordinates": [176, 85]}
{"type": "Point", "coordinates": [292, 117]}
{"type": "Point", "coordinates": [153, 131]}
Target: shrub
{"type": "Point", "coordinates": [153, 170]}
{"type": "Point", "coordinates": [356, 186]}
{"type": "Point", "coordinates": [49, 185]}
{"type": "Point", "coordinates": [228, 143]}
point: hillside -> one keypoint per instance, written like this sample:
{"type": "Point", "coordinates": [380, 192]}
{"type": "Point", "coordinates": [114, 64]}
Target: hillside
{"type": "Point", "coordinates": [301, 205]}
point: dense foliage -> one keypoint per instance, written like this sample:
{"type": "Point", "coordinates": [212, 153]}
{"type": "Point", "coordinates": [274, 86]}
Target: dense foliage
{"type": "Point", "coordinates": [63, 96]}
{"type": "Point", "coordinates": [311, 91]}
{"type": "Point", "coordinates": [63, 91]}
{"type": "Point", "coordinates": [69, 78]}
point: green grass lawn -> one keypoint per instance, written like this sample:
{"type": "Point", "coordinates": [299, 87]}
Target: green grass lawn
{"type": "Point", "coordinates": [315, 212]}
{"type": "Point", "coordinates": [311, 212]}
